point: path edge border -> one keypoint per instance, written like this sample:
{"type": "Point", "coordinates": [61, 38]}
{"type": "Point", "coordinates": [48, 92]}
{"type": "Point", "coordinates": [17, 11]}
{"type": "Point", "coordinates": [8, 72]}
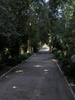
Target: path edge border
{"type": "Point", "coordinates": [15, 67]}
{"type": "Point", "coordinates": [66, 80]}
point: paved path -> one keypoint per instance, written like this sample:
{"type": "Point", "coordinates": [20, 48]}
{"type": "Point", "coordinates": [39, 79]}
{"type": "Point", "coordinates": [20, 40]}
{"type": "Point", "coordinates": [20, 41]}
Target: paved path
{"type": "Point", "coordinates": [38, 78]}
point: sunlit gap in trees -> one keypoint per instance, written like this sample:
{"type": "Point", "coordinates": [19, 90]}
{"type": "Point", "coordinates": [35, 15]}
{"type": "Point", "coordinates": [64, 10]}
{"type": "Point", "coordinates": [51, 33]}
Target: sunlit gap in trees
{"type": "Point", "coordinates": [46, 0]}
{"type": "Point", "coordinates": [44, 48]}
{"type": "Point", "coordinates": [60, 12]}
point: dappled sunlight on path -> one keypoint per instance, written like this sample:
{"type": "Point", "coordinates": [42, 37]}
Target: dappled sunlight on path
{"type": "Point", "coordinates": [38, 78]}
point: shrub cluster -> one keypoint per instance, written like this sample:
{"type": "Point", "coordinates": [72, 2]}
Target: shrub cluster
{"type": "Point", "coordinates": [65, 63]}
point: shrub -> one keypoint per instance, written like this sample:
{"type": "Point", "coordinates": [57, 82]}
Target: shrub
{"type": "Point", "coordinates": [24, 56]}
{"type": "Point", "coordinates": [54, 50]}
{"type": "Point", "coordinates": [14, 61]}
{"type": "Point", "coordinates": [66, 67]}
{"type": "Point", "coordinates": [57, 55]}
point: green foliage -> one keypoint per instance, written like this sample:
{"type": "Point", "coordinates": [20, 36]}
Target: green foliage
{"type": "Point", "coordinates": [37, 21]}
{"type": "Point", "coordinates": [64, 30]}
{"type": "Point", "coordinates": [10, 62]}
{"type": "Point", "coordinates": [67, 67]}
{"type": "Point", "coordinates": [57, 55]}
{"type": "Point", "coordinates": [24, 56]}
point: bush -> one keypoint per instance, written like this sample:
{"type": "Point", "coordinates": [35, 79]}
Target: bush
{"type": "Point", "coordinates": [14, 61]}
{"type": "Point", "coordinates": [57, 55]}
{"type": "Point", "coordinates": [54, 50]}
{"type": "Point", "coordinates": [24, 56]}
{"type": "Point", "coordinates": [7, 63]}
{"type": "Point", "coordinates": [66, 67]}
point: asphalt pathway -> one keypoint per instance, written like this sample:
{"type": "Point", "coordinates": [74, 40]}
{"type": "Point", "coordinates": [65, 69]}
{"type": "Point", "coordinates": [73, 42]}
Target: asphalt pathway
{"type": "Point", "coordinates": [38, 78]}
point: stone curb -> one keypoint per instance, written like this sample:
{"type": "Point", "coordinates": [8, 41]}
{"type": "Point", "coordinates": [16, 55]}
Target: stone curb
{"type": "Point", "coordinates": [66, 80]}
{"type": "Point", "coordinates": [14, 67]}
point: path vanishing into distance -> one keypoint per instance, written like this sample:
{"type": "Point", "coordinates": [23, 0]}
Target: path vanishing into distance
{"type": "Point", "coordinates": [37, 78]}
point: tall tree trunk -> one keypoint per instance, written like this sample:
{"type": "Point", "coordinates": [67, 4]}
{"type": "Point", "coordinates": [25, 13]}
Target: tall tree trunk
{"type": "Point", "coordinates": [29, 46]}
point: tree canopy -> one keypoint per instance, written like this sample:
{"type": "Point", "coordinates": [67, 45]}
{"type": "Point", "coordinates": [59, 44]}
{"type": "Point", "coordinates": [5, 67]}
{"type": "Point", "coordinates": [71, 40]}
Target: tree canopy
{"type": "Point", "coordinates": [50, 22]}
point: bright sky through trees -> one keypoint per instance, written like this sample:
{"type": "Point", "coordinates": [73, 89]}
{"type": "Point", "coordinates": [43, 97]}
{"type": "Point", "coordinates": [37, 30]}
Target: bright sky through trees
{"type": "Point", "coordinates": [46, 0]}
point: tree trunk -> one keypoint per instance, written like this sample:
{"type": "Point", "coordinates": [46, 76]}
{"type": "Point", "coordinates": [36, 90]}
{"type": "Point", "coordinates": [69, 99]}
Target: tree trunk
{"type": "Point", "coordinates": [29, 46]}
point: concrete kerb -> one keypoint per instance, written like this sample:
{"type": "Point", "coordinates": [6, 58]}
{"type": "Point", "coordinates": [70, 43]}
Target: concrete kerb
{"type": "Point", "coordinates": [14, 67]}
{"type": "Point", "coordinates": [66, 80]}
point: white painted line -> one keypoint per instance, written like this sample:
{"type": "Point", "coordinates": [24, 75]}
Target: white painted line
{"type": "Point", "coordinates": [66, 80]}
